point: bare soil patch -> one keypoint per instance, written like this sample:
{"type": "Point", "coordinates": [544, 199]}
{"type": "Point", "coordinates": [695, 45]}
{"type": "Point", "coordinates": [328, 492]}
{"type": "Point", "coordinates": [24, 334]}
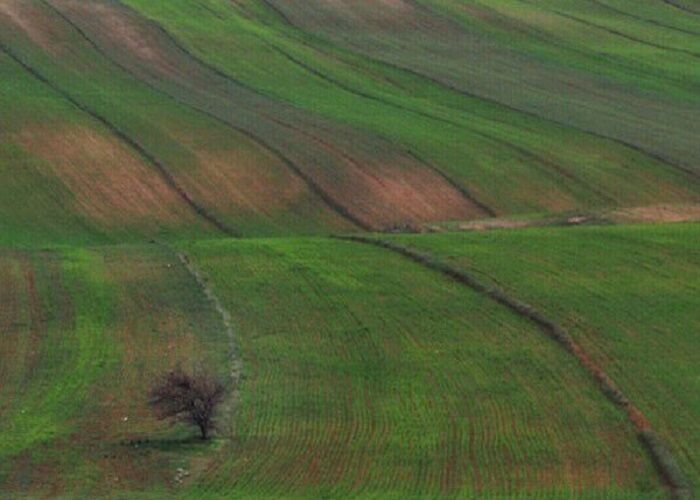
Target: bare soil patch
{"type": "Point", "coordinates": [109, 184]}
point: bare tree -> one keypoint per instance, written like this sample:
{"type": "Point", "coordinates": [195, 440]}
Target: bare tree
{"type": "Point", "coordinates": [192, 399]}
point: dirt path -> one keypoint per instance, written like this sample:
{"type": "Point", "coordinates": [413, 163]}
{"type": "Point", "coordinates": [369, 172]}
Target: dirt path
{"type": "Point", "coordinates": [234, 360]}
{"type": "Point", "coordinates": [661, 213]}
{"type": "Point", "coordinates": [665, 463]}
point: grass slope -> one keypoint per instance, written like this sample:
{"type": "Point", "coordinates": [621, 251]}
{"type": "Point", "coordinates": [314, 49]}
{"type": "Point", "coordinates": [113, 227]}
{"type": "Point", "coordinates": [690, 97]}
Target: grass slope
{"type": "Point", "coordinates": [364, 374]}
{"type": "Point", "coordinates": [628, 294]}
{"type": "Point", "coordinates": [326, 135]}
{"type": "Point", "coordinates": [512, 161]}
{"type": "Point", "coordinates": [84, 330]}
{"type": "Point", "coordinates": [354, 387]}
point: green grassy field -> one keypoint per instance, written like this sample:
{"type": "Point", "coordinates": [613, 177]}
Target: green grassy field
{"type": "Point", "coordinates": [84, 330]}
{"type": "Point", "coordinates": [351, 386]}
{"type": "Point", "coordinates": [628, 294]}
{"type": "Point", "coordinates": [245, 134]}
{"type": "Point", "coordinates": [327, 135]}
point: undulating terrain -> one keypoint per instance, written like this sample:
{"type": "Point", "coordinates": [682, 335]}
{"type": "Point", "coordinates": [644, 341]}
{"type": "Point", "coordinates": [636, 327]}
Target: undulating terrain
{"type": "Point", "coordinates": [296, 195]}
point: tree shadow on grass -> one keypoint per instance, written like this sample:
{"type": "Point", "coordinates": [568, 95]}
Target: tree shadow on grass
{"type": "Point", "coordinates": [189, 443]}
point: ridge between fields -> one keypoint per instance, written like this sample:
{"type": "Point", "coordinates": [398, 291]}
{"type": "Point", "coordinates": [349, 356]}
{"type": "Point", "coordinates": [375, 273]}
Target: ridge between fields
{"type": "Point", "coordinates": [313, 186]}
{"type": "Point", "coordinates": [133, 144]}
{"type": "Point", "coordinates": [667, 467]}
{"type": "Point", "coordinates": [234, 360]}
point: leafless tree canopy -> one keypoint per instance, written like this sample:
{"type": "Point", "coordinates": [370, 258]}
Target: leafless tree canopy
{"type": "Point", "coordinates": [188, 398]}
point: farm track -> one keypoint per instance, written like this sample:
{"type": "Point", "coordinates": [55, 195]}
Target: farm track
{"type": "Point", "coordinates": [226, 320]}
{"type": "Point", "coordinates": [130, 142]}
{"type": "Point", "coordinates": [313, 186]}
{"type": "Point", "coordinates": [667, 467]}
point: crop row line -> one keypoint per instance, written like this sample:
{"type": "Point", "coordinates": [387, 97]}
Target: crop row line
{"type": "Point", "coordinates": [666, 465]}
{"type": "Point", "coordinates": [310, 182]}
{"type": "Point", "coordinates": [164, 171]}
{"type": "Point", "coordinates": [547, 166]}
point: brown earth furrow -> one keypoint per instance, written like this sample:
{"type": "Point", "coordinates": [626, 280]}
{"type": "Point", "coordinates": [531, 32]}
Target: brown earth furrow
{"type": "Point", "coordinates": [619, 33]}
{"type": "Point", "coordinates": [666, 464]}
{"type": "Point", "coordinates": [621, 12]}
{"type": "Point", "coordinates": [295, 169]}
{"type": "Point", "coordinates": [129, 141]}
{"type": "Point", "coordinates": [551, 167]}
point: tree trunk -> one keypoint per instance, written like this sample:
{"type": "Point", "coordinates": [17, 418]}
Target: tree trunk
{"type": "Point", "coordinates": [203, 430]}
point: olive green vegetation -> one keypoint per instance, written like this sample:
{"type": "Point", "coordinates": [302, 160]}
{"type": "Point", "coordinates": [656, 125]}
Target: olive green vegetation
{"type": "Point", "coordinates": [629, 294]}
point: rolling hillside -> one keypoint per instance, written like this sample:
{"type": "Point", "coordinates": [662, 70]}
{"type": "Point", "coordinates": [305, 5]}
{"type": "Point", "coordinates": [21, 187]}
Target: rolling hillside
{"type": "Point", "coordinates": [257, 121]}
{"type": "Point", "coordinates": [220, 183]}
{"type": "Point", "coordinates": [619, 291]}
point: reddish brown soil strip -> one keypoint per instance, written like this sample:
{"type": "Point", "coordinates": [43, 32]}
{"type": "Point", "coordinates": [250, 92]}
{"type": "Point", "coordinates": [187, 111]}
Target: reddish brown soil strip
{"type": "Point", "coordinates": [135, 145]}
{"type": "Point", "coordinates": [31, 21]}
{"type": "Point", "coordinates": [295, 169]}
{"type": "Point", "coordinates": [402, 191]}
{"type": "Point", "coordinates": [108, 183]}
{"type": "Point", "coordinates": [666, 464]}
{"type": "Point", "coordinates": [466, 194]}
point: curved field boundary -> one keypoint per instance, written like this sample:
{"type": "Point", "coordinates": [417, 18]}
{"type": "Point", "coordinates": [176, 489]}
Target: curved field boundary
{"type": "Point", "coordinates": [165, 173]}
{"type": "Point", "coordinates": [638, 148]}
{"type": "Point", "coordinates": [548, 167]}
{"type": "Point", "coordinates": [654, 22]}
{"type": "Point", "coordinates": [681, 7]}
{"type": "Point", "coordinates": [295, 169]}
{"type": "Point", "coordinates": [668, 469]}
{"type": "Point", "coordinates": [234, 360]}
{"type": "Point", "coordinates": [617, 32]}
{"type": "Point", "coordinates": [543, 164]}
